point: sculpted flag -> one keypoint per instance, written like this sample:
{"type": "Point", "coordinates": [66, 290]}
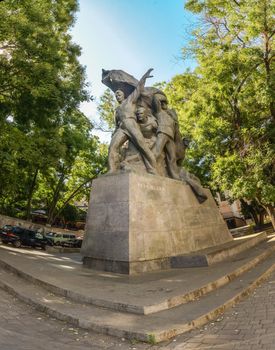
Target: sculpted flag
{"type": "Point", "coordinates": [119, 80]}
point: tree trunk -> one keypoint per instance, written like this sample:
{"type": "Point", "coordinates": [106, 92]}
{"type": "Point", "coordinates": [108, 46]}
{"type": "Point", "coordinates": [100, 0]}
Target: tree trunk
{"type": "Point", "coordinates": [268, 55]}
{"type": "Point", "coordinates": [72, 195]}
{"type": "Point", "coordinates": [255, 216]}
{"type": "Point", "coordinates": [29, 204]}
{"type": "Point", "coordinates": [249, 209]}
{"type": "Point", "coordinates": [271, 213]}
{"type": "Point", "coordinates": [261, 209]}
{"type": "Point", "coordinates": [261, 218]}
{"type": "Point", "coordinates": [55, 199]}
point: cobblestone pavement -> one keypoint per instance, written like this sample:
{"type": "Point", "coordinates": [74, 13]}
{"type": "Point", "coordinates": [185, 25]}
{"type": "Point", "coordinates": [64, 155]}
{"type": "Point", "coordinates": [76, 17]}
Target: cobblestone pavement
{"type": "Point", "coordinates": [248, 326]}
{"type": "Point", "coordinates": [24, 328]}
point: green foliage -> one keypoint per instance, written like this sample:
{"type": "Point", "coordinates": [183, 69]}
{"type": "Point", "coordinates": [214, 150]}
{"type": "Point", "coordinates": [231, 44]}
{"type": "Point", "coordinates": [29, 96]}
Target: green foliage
{"type": "Point", "coordinates": [70, 213]}
{"type": "Point", "coordinates": [48, 155]}
{"type": "Point", "coordinates": [106, 110]}
{"type": "Point", "coordinates": [226, 106]}
{"type": "Point", "coordinates": [40, 75]}
{"type": "Point", "coordinates": [152, 339]}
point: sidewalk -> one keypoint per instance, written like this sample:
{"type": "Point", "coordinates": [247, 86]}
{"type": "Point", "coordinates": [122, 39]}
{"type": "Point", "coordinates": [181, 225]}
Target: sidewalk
{"type": "Point", "coordinates": [248, 326]}
{"type": "Point", "coordinates": [141, 294]}
{"type": "Point", "coordinates": [156, 305]}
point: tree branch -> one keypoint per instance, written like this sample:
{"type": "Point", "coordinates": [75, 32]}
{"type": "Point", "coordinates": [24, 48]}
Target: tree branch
{"type": "Point", "coordinates": [100, 127]}
{"type": "Point", "coordinates": [271, 35]}
{"type": "Point", "coordinates": [72, 195]}
{"type": "Point", "coordinates": [238, 89]}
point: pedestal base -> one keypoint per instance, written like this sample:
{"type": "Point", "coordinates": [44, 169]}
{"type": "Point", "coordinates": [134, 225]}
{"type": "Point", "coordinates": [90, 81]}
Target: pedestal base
{"type": "Point", "coordinates": [138, 223]}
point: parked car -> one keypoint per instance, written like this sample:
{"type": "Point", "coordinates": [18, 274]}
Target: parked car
{"type": "Point", "coordinates": [7, 231]}
{"type": "Point", "coordinates": [19, 236]}
{"type": "Point", "coordinates": [73, 243]}
{"type": "Point", "coordinates": [78, 242]}
{"type": "Point", "coordinates": [6, 228]}
{"type": "Point", "coordinates": [61, 238]}
{"type": "Point", "coordinates": [50, 235]}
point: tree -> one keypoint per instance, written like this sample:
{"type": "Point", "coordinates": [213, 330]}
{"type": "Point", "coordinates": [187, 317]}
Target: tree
{"type": "Point", "coordinates": [106, 110]}
{"type": "Point", "coordinates": [47, 153]}
{"type": "Point", "coordinates": [74, 183]}
{"type": "Point", "coordinates": [229, 105]}
{"type": "Point", "coordinates": [40, 75]}
{"type": "Point", "coordinates": [74, 169]}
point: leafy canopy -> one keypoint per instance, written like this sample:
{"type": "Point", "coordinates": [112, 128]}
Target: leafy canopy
{"type": "Point", "coordinates": [227, 103]}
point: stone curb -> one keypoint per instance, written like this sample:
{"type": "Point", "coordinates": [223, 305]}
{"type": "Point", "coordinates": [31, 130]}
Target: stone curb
{"type": "Point", "coordinates": [74, 295]}
{"type": "Point", "coordinates": [218, 256]}
{"type": "Point", "coordinates": [75, 321]}
{"type": "Point", "coordinates": [146, 309]}
{"type": "Point", "coordinates": [209, 287]}
{"type": "Point", "coordinates": [146, 336]}
{"type": "Point", "coordinates": [213, 314]}
{"type": "Point", "coordinates": [57, 249]}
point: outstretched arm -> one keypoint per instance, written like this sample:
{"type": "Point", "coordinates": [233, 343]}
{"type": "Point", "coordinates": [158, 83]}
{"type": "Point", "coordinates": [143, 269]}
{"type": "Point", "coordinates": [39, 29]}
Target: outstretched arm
{"type": "Point", "coordinates": [133, 97]}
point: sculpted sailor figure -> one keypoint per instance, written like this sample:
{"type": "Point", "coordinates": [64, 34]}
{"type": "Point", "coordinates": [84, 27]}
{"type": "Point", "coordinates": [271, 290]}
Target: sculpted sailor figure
{"type": "Point", "coordinates": [167, 123]}
{"type": "Point", "coordinates": [127, 128]}
{"type": "Point", "coordinates": [147, 136]}
{"type": "Point", "coordinates": [148, 126]}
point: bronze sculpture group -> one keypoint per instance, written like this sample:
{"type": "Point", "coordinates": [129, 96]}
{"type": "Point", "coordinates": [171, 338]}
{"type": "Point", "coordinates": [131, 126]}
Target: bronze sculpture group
{"type": "Point", "coordinates": [147, 136]}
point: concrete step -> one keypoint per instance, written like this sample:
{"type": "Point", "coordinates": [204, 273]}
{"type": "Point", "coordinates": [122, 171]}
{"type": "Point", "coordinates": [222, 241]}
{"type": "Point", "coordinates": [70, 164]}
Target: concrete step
{"type": "Point", "coordinates": [155, 327]}
{"type": "Point", "coordinates": [146, 294]}
{"type": "Point", "coordinates": [58, 249]}
{"type": "Point", "coordinates": [213, 255]}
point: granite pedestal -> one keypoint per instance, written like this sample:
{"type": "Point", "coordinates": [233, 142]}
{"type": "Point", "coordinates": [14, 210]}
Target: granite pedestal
{"type": "Point", "coordinates": [138, 223]}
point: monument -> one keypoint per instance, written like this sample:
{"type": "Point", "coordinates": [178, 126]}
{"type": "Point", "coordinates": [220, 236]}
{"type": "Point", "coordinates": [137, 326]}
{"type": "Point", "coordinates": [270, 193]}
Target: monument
{"type": "Point", "coordinates": [147, 211]}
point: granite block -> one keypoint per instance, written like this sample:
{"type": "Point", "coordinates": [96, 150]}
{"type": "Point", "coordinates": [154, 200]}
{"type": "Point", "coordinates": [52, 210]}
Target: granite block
{"type": "Point", "coordinates": [143, 221]}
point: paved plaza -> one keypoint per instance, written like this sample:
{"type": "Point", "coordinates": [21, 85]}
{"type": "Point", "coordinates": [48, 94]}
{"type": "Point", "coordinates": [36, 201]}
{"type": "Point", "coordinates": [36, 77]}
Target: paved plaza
{"type": "Point", "coordinates": [248, 326]}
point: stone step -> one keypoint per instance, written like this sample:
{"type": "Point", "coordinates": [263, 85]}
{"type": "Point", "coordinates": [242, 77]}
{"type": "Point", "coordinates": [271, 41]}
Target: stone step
{"type": "Point", "coordinates": [58, 249]}
{"type": "Point", "coordinates": [152, 328]}
{"type": "Point", "coordinates": [216, 254]}
{"type": "Point", "coordinates": [146, 295]}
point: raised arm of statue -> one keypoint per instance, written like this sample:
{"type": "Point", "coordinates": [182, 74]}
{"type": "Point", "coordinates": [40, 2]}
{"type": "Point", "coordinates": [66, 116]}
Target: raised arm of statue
{"type": "Point", "coordinates": [133, 97]}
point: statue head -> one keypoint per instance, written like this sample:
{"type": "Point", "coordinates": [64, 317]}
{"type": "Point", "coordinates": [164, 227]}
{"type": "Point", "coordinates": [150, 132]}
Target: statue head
{"type": "Point", "coordinates": [164, 104]}
{"type": "Point", "coordinates": [141, 114]}
{"type": "Point", "coordinates": [120, 96]}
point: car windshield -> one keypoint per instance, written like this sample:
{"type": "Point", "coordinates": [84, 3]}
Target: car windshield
{"type": "Point", "coordinates": [17, 230]}
{"type": "Point", "coordinates": [7, 227]}
{"type": "Point", "coordinates": [51, 234]}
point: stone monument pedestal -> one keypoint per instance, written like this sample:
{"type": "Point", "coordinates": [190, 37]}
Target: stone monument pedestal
{"type": "Point", "coordinates": [138, 223]}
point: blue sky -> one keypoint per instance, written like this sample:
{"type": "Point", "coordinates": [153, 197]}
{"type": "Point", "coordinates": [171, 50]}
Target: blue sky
{"type": "Point", "coordinates": [132, 35]}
